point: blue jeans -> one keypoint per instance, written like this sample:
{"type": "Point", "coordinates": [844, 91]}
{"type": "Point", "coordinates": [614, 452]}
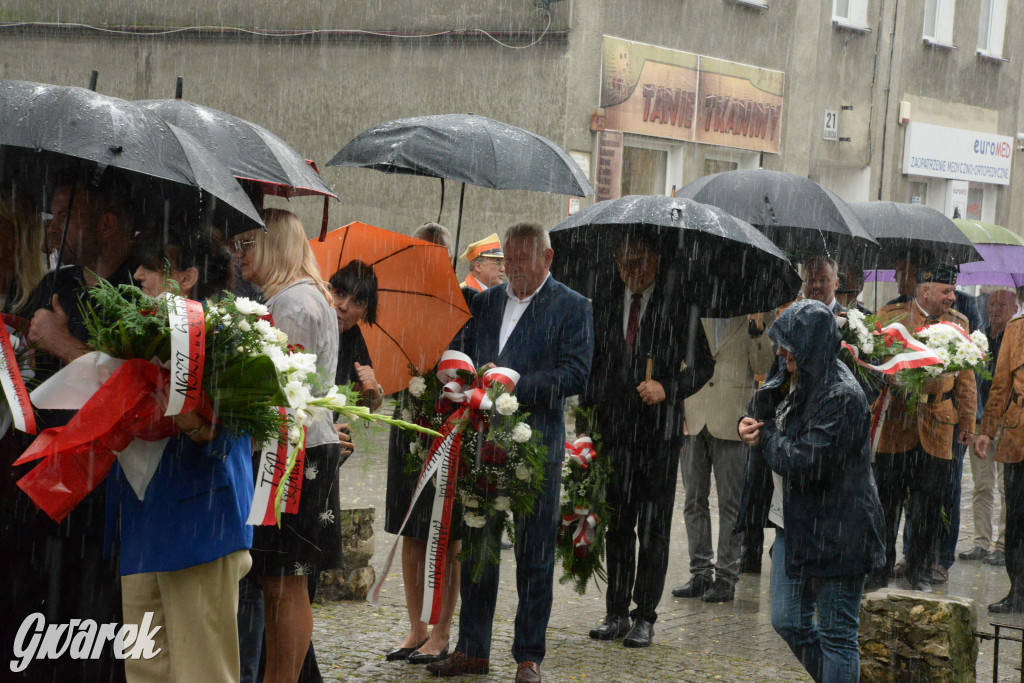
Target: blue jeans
{"type": "Point", "coordinates": [250, 627]}
{"type": "Point", "coordinates": [535, 570]}
{"type": "Point", "coordinates": [826, 647]}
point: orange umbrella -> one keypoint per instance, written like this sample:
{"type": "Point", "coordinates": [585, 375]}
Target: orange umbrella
{"type": "Point", "coordinates": [420, 307]}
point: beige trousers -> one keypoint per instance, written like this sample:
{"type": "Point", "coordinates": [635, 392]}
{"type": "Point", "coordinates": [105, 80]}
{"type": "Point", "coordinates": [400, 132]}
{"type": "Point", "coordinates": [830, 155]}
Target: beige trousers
{"type": "Point", "coordinates": [197, 609]}
{"type": "Point", "coordinates": [987, 475]}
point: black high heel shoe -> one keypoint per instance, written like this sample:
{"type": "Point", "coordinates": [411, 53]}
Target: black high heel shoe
{"type": "Point", "coordinates": [399, 653]}
{"type": "Point", "coordinates": [421, 658]}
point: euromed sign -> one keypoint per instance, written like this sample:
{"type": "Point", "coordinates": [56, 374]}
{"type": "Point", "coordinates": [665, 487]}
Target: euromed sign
{"type": "Point", "coordinates": [957, 154]}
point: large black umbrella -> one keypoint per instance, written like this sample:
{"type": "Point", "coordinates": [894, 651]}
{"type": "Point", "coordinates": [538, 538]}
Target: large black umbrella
{"type": "Point", "coordinates": [709, 258]}
{"type": "Point", "coordinates": [799, 215]}
{"type": "Point", "coordinates": [913, 232]}
{"type": "Point", "coordinates": [467, 148]}
{"type": "Point", "coordinates": [54, 125]}
{"type": "Point", "coordinates": [252, 152]}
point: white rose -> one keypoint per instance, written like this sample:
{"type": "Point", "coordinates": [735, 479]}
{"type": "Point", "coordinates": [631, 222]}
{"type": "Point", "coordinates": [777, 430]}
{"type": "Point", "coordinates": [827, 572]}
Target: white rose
{"type": "Point", "coordinates": [474, 520]}
{"type": "Point", "coordinates": [470, 502]}
{"type": "Point", "coordinates": [521, 433]}
{"type": "Point", "coordinates": [250, 307]}
{"type": "Point", "coordinates": [523, 472]}
{"type": "Point", "coordinates": [502, 503]}
{"type": "Point", "coordinates": [506, 404]}
{"type": "Point", "coordinates": [414, 447]}
{"type": "Point", "coordinates": [417, 385]}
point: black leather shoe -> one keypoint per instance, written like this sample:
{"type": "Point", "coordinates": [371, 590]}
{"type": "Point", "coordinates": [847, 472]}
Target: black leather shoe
{"type": "Point", "coordinates": [996, 558]}
{"type": "Point", "coordinates": [750, 564]}
{"type": "Point", "coordinates": [720, 591]}
{"type": "Point", "coordinates": [399, 653]}
{"type": "Point", "coordinates": [640, 634]}
{"type": "Point", "coordinates": [694, 588]}
{"type": "Point", "coordinates": [974, 554]}
{"type": "Point", "coordinates": [611, 628]}
{"type": "Point", "coordinates": [1008, 605]}
{"type": "Point", "coordinates": [418, 657]}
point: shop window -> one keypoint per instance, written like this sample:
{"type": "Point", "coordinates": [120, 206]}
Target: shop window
{"type": "Point", "coordinates": [643, 171]}
{"type": "Point", "coordinates": [991, 28]}
{"type": "Point", "coordinates": [938, 22]}
{"type": "Point", "coordinates": [712, 166]}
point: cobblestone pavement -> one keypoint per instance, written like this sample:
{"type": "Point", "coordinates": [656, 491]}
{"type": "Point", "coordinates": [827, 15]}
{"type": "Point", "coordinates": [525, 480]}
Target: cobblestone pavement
{"type": "Point", "coordinates": [693, 641]}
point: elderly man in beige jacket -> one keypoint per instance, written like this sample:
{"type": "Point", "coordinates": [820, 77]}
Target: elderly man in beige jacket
{"type": "Point", "coordinates": [741, 350]}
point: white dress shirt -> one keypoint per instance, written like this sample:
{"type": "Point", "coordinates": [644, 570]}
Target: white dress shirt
{"type": "Point", "coordinates": [514, 309]}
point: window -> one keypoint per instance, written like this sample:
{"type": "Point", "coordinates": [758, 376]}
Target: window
{"type": "Point", "coordinates": [850, 13]}
{"type": "Point", "coordinates": [991, 28]}
{"type": "Point", "coordinates": [938, 22]}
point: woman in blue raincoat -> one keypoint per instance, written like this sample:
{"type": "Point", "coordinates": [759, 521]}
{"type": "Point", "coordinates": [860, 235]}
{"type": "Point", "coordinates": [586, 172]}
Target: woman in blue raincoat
{"type": "Point", "coordinates": [809, 475]}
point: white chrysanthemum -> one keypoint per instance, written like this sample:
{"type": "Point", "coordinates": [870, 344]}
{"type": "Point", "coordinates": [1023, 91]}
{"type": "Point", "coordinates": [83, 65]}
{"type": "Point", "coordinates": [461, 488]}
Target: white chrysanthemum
{"type": "Point", "coordinates": [244, 326]}
{"type": "Point", "coordinates": [414, 447]}
{"type": "Point", "coordinates": [417, 385]}
{"type": "Point", "coordinates": [250, 307]}
{"type": "Point", "coordinates": [304, 363]}
{"type": "Point", "coordinates": [855, 316]}
{"type": "Point", "coordinates": [521, 433]}
{"type": "Point", "coordinates": [406, 415]}
{"type": "Point", "coordinates": [563, 497]}
{"type": "Point", "coordinates": [265, 328]}
{"type": "Point", "coordinates": [470, 501]}
{"type": "Point", "coordinates": [506, 404]}
{"type": "Point", "coordinates": [867, 346]}
{"type": "Point", "coordinates": [474, 520]}
{"type": "Point", "coordinates": [502, 503]}
{"type": "Point", "coordinates": [523, 472]}
{"type": "Point", "coordinates": [979, 338]}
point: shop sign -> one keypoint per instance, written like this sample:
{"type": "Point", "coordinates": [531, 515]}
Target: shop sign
{"type": "Point", "coordinates": [957, 154]}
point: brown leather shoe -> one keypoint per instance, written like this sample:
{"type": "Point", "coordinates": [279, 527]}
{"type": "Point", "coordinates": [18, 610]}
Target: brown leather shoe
{"type": "Point", "coordinates": [529, 672]}
{"type": "Point", "coordinates": [458, 664]}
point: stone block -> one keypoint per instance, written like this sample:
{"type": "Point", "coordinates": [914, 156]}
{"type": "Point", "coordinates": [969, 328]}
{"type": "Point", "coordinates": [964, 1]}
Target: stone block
{"type": "Point", "coordinates": [911, 636]}
{"type": "Point", "coordinates": [354, 580]}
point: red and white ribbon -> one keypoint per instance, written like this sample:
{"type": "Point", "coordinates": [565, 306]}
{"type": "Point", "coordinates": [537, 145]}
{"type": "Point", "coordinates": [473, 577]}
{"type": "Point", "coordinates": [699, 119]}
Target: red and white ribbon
{"type": "Point", "coordinates": [188, 354]}
{"type": "Point", "coordinates": [585, 530]}
{"type": "Point", "coordinates": [12, 381]}
{"type": "Point", "coordinates": [914, 355]}
{"type": "Point", "coordinates": [581, 451]}
{"type": "Point", "coordinates": [273, 462]}
{"type": "Point", "coordinates": [443, 461]}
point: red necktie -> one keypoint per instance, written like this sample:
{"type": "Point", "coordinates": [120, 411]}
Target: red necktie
{"type": "Point", "coordinates": [633, 325]}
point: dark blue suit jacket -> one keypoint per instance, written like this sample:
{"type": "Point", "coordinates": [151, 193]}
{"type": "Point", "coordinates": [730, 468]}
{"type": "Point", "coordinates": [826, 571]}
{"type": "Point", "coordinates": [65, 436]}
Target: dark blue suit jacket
{"type": "Point", "coordinates": [551, 348]}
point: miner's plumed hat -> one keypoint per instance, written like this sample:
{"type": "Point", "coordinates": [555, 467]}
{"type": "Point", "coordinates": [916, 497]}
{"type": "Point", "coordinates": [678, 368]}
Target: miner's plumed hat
{"type": "Point", "coordinates": [489, 247]}
{"type": "Point", "coordinates": [941, 273]}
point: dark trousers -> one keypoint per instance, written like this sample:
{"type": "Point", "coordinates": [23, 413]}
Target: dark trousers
{"type": "Point", "coordinates": [641, 494]}
{"type": "Point", "coordinates": [535, 571]}
{"type": "Point", "coordinates": [924, 477]}
{"type": "Point", "coordinates": [1013, 478]}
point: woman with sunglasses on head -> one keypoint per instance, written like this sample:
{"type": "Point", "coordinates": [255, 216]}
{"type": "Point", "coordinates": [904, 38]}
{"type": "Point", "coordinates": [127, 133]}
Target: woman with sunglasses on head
{"type": "Point", "coordinates": [185, 542]}
{"type": "Point", "coordinates": [280, 262]}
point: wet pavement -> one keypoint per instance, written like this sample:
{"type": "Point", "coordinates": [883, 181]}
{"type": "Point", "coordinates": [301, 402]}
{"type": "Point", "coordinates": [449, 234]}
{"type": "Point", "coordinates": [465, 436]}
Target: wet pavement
{"type": "Point", "coordinates": [693, 641]}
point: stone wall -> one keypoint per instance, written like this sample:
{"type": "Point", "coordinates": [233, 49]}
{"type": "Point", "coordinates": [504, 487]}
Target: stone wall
{"type": "Point", "coordinates": [912, 636]}
{"type": "Point", "coordinates": [354, 580]}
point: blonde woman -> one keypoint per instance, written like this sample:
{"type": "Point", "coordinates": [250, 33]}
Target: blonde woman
{"type": "Point", "coordinates": [280, 263]}
{"type": "Point", "coordinates": [21, 250]}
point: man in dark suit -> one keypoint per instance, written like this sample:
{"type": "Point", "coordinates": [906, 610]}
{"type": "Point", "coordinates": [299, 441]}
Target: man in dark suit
{"type": "Point", "coordinates": [544, 331]}
{"type": "Point", "coordinates": [639, 415]}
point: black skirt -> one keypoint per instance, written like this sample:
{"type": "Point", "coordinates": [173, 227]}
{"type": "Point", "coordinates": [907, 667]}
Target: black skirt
{"type": "Point", "coordinates": [309, 540]}
{"type": "Point", "coordinates": [401, 487]}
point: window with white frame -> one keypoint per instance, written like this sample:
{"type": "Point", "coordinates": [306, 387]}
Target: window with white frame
{"type": "Point", "coordinates": [991, 27]}
{"type": "Point", "coordinates": [850, 12]}
{"type": "Point", "coordinates": [938, 21]}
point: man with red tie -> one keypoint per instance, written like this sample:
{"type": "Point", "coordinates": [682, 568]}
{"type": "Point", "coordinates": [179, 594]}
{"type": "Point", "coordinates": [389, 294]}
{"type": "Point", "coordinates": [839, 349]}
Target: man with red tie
{"type": "Point", "coordinates": [650, 353]}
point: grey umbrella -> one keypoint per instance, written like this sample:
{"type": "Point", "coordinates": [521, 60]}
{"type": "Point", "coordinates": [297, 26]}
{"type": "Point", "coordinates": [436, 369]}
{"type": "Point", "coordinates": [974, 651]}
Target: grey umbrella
{"type": "Point", "coordinates": [796, 213]}
{"type": "Point", "coordinates": [40, 120]}
{"type": "Point", "coordinates": [709, 258]}
{"type": "Point", "coordinates": [467, 148]}
{"type": "Point", "coordinates": [913, 232]}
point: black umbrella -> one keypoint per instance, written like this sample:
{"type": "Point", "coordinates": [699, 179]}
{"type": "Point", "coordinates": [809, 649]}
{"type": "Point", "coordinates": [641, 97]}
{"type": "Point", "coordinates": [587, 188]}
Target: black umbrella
{"type": "Point", "coordinates": [802, 217]}
{"type": "Point", "coordinates": [913, 232]}
{"type": "Point", "coordinates": [709, 258]}
{"type": "Point", "coordinates": [467, 148]}
{"type": "Point", "coordinates": [252, 152]}
{"type": "Point", "coordinates": [54, 125]}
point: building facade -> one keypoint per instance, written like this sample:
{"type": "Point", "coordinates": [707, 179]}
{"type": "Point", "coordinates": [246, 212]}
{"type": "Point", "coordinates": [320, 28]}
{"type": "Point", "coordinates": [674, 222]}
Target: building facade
{"type": "Point", "coordinates": [910, 101]}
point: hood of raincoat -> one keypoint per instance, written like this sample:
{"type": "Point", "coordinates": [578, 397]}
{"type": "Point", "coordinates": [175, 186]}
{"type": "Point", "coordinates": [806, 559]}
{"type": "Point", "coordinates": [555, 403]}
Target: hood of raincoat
{"type": "Point", "coordinates": [808, 329]}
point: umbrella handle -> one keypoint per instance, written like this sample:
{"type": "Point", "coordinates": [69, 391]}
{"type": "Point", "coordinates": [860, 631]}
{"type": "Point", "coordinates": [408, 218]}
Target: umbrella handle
{"type": "Point", "coordinates": [458, 227]}
{"type": "Point", "coordinates": [324, 222]}
{"type": "Point", "coordinates": [63, 241]}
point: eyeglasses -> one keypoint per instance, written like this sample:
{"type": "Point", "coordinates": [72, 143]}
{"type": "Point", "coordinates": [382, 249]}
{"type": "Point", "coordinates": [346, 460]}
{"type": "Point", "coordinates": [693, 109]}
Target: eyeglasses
{"type": "Point", "coordinates": [242, 245]}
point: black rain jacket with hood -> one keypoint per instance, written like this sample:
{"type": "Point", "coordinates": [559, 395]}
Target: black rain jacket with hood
{"type": "Point", "coordinates": [832, 516]}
